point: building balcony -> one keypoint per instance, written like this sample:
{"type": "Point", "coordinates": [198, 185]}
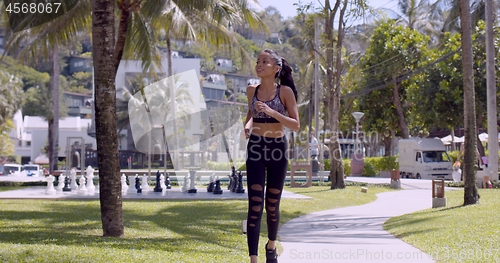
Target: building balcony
{"type": "Point", "coordinates": [79, 111]}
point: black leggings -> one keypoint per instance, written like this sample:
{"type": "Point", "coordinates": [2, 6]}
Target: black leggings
{"type": "Point", "coordinates": [264, 153]}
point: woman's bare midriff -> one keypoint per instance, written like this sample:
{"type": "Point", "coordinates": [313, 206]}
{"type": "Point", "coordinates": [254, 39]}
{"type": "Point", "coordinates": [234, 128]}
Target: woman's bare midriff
{"type": "Point", "coordinates": [271, 130]}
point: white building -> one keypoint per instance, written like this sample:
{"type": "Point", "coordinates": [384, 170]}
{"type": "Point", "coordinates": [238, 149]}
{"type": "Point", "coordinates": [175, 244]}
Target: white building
{"type": "Point", "coordinates": [30, 134]}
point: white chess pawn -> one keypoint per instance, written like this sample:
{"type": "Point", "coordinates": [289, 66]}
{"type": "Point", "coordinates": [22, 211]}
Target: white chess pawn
{"type": "Point", "coordinates": [162, 183]}
{"type": "Point", "coordinates": [50, 186]}
{"type": "Point", "coordinates": [124, 183]}
{"type": "Point", "coordinates": [74, 186]}
{"type": "Point", "coordinates": [144, 183]}
{"type": "Point", "coordinates": [90, 180]}
{"type": "Point", "coordinates": [60, 184]}
{"type": "Point", "coordinates": [82, 189]}
{"type": "Point", "coordinates": [131, 180]}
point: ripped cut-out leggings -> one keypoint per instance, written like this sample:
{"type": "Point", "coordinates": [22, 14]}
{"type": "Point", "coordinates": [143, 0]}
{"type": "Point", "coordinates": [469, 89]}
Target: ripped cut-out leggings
{"type": "Point", "coordinates": [264, 154]}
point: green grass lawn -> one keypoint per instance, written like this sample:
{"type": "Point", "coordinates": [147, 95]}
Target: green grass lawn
{"type": "Point", "coordinates": [10, 188]}
{"type": "Point", "coordinates": [155, 231]}
{"type": "Point", "coordinates": [454, 233]}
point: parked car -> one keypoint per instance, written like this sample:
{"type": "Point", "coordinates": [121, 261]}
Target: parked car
{"type": "Point", "coordinates": [12, 169]}
{"type": "Point", "coordinates": [33, 170]}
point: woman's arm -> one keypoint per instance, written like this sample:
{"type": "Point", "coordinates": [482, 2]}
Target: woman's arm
{"type": "Point", "coordinates": [249, 121]}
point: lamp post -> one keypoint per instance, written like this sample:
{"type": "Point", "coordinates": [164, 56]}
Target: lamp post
{"type": "Point", "coordinates": [357, 115]}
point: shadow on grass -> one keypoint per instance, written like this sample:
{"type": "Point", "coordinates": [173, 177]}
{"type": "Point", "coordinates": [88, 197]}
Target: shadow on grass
{"type": "Point", "coordinates": [168, 225]}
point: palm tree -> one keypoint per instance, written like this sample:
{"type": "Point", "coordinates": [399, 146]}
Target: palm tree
{"type": "Point", "coordinates": [46, 39]}
{"type": "Point", "coordinates": [107, 55]}
{"type": "Point", "coordinates": [11, 96]}
{"type": "Point", "coordinates": [417, 15]}
{"type": "Point", "coordinates": [470, 189]}
{"type": "Point", "coordinates": [452, 15]}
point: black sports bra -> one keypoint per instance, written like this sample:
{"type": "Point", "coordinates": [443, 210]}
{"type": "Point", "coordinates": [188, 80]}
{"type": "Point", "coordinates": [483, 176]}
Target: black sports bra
{"type": "Point", "coordinates": [275, 104]}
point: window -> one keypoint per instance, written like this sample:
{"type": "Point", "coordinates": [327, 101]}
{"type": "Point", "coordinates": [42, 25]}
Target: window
{"type": "Point", "coordinates": [28, 143]}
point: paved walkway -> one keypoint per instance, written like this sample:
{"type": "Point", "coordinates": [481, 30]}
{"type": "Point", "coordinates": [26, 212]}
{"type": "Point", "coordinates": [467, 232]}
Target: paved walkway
{"type": "Point", "coordinates": [355, 234]}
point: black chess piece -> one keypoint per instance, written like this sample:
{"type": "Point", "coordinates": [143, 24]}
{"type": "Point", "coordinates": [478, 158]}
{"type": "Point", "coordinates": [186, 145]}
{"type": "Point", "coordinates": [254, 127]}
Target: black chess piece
{"type": "Point", "coordinates": [67, 187]}
{"type": "Point", "coordinates": [138, 184]}
{"type": "Point", "coordinates": [232, 181]}
{"type": "Point", "coordinates": [240, 189]}
{"type": "Point", "coordinates": [167, 181]}
{"type": "Point", "coordinates": [217, 190]}
{"type": "Point", "coordinates": [210, 187]}
{"type": "Point", "coordinates": [158, 183]}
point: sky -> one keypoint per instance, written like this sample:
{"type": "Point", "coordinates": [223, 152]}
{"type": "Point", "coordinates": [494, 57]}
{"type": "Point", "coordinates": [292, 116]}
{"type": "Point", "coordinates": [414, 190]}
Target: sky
{"type": "Point", "coordinates": [287, 9]}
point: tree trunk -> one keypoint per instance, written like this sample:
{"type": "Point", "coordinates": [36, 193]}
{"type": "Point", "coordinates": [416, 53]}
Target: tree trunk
{"type": "Point", "coordinates": [333, 85]}
{"type": "Point", "coordinates": [54, 128]}
{"type": "Point", "coordinates": [453, 139]}
{"type": "Point", "coordinates": [172, 102]}
{"type": "Point", "coordinates": [387, 145]}
{"type": "Point", "coordinates": [480, 147]}
{"type": "Point", "coordinates": [399, 110]}
{"type": "Point", "coordinates": [470, 189]}
{"type": "Point", "coordinates": [103, 47]}
{"type": "Point", "coordinates": [50, 148]}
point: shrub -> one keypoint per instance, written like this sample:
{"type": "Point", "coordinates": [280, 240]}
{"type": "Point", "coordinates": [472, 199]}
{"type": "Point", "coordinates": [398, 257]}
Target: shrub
{"type": "Point", "coordinates": [219, 166]}
{"type": "Point", "coordinates": [369, 169]}
{"type": "Point", "coordinates": [347, 166]}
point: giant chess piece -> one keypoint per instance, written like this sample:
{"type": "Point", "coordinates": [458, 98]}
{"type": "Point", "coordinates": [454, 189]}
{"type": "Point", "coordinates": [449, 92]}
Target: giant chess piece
{"type": "Point", "coordinates": [217, 189]}
{"type": "Point", "coordinates": [138, 185]}
{"type": "Point", "coordinates": [239, 188]}
{"type": "Point", "coordinates": [185, 185]}
{"type": "Point", "coordinates": [74, 186]}
{"type": "Point", "coordinates": [192, 176]}
{"type": "Point", "coordinates": [145, 185]}
{"type": "Point", "coordinates": [60, 183]}
{"type": "Point", "coordinates": [50, 186]}
{"type": "Point", "coordinates": [162, 183]}
{"type": "Point", "coordinates": [211, 183]}
{"type": "Point", "coordinates": [81, 188]}
{"type": "Point", "coordinates": [131, 180]}
{"type": "Point", "coordinates": [158, 188]}
{"type": "Point", "coordinates": [124, 184]}
{"type": "Point", "coordinates": [90, 180]}
{"type": "Point", "coordinates": [67, 181]}
{"type": "Point", "coordinates": [167, 181]}
{"type": "Point", "coordinates": [230, 182]}
{"type": "Point", "coordinates": [234, 179]}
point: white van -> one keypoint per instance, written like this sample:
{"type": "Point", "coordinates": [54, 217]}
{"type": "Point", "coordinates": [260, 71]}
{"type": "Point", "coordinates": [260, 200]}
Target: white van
{"type": "Point", "coordinates": [33, 170]}
{"type": "Point", "coordinates": [424, 158]}
{"type": "Point", "coordinates": [12, 169]}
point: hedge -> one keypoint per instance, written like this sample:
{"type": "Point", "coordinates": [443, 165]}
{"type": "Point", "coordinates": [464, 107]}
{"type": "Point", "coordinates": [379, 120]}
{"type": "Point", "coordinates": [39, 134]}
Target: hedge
{"type": "Point", "coordinates": [372, 167]}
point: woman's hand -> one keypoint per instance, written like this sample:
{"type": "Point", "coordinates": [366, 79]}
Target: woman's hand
{"type": "Point", "coordinates": [247, 133]}
{"type": "Point", "coordinates": [262, 107]}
